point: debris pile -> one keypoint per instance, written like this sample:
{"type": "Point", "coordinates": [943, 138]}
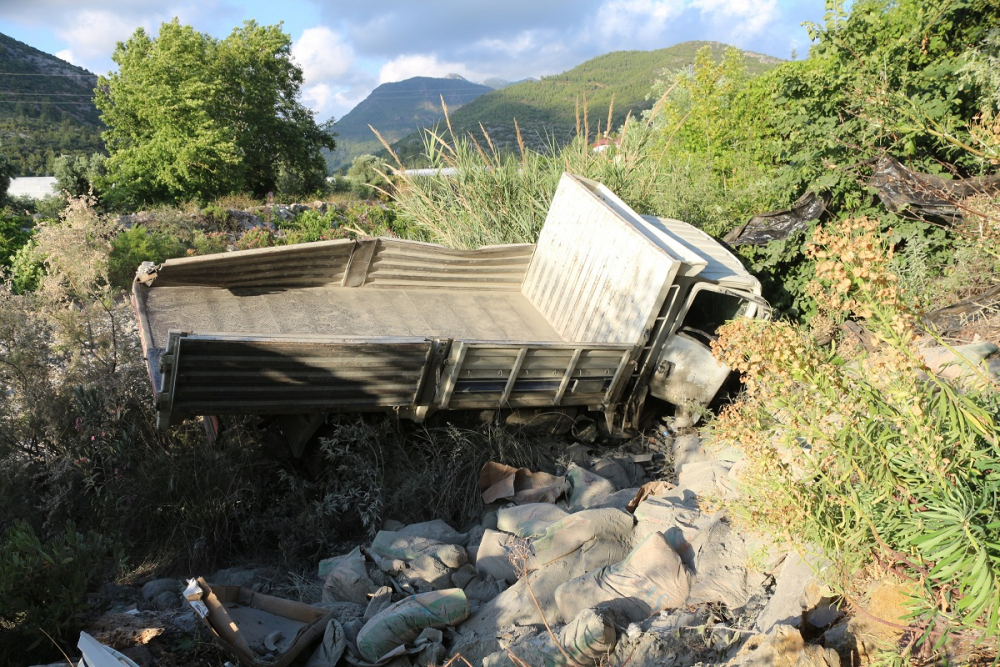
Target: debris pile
{"type": "Point", "coordinates": [602, 563]}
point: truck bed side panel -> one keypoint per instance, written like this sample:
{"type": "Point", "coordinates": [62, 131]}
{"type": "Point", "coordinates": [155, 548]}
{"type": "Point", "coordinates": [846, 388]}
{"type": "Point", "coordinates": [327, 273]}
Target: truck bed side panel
{"type": "Point", "coordinates": [245, 374]}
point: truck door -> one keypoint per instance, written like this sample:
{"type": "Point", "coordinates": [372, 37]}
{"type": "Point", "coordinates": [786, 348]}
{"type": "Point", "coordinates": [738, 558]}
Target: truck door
{"type": "Point", "coordinates": [687, 373]}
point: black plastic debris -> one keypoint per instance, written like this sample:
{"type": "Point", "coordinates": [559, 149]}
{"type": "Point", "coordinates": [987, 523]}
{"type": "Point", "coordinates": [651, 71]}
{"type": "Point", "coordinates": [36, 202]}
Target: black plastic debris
{"type": "Point", "coordinates": [924, 195]}
{"type": "Point", "coordinates": [776, 225]}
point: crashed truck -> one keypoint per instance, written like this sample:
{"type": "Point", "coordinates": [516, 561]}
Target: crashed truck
{"type": "Point", "coordinates": [607, 308]}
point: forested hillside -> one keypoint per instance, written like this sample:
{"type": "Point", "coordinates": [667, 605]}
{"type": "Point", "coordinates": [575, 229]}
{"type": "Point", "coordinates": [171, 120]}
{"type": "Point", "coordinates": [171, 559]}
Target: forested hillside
{"type": "Point", "coordinates": [46, 109]}
{"type": "Point", "coordinates": [395, 110]}
{"type": "Point", "coordinates": [546, 110]}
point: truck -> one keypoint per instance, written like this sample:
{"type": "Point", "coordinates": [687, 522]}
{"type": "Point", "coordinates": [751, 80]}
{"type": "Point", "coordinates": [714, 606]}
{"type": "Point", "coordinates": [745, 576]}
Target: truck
{"type": "Point", "coordinates": [608, 308]}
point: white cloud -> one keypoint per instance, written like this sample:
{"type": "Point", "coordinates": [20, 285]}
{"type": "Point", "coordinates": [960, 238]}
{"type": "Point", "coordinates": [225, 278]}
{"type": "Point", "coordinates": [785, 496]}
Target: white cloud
{"type": "Point", "coordinates": [92, 34]}
{"type": "Point", "coordinates": [642, 20]}
{"type": "Point", "coordinates": [322, 54]}
{"type": "Point", "coordinates": [747, 18]}
{"type": "Point", "coordinates": [66, 55]}
{"type": "Point", "coordinates": [422, 64]}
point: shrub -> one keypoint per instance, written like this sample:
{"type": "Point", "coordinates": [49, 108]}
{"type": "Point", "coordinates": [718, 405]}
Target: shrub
{"type": "Point", "coordinates": [14, 234]}
{"type": "Point", "coordinates": [368, 175]}
{"type": "Point", "coordinates": [853, 452]}
{"type": "Point", "coordinates": [44, 587]}
{"type": "Point", "coordinates": [208, 243]}
{"type": "Point", "coordinates": [258, 237]}
{"type": "Point", "coordinates": [134, 246]}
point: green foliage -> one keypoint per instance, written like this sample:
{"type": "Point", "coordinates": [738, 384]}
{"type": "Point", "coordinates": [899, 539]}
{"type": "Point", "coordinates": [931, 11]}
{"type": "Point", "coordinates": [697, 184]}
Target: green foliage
{"type": "Point", "coordinates": [555, 109]}
{"type": "Point", "coordinates": [49, 111]}
{"type": "Point", "coordinates": [367, 175]}
{"type": "Point", "coordinates": [864, 454]}
{"type": "Point", "coordinates": [78, 175]}
{"type": "Point", "coordinates": [882, 80]}
{"type": "Point", "coordinates": [258, 237]}
{"type": "Point", "coordinates": [44, 585]}
{"type": "Point", "coordinates": [27, 268]}
{"type": "Point", "coordinates": [134, 246]}
{"type": "Point", "coordinates": [394, 109]}
{"type": "Point", "coordinates": [192, 116]}
{"type": "Point", "coordinates": [14, 234]}
{"type": "Point", "coordinates": [207, 243]}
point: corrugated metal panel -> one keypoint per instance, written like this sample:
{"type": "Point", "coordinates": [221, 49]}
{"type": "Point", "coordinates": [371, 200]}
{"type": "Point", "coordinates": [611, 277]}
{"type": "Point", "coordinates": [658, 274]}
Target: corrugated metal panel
{"type": "Point", "coordinates": [594, 276]}
{"type": "Point", "coordinates": [399, 263]}
{"type": "Point", "coordinates": [302, 265]}
{"type": "Point", "coordinates": [239, 375]}
{"type": "Point", "coordinates": [722, 265]}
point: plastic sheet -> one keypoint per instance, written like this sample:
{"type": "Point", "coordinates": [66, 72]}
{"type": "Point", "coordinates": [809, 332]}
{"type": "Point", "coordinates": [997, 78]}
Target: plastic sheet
{"type": "Point", "coordinates": [777, 225]}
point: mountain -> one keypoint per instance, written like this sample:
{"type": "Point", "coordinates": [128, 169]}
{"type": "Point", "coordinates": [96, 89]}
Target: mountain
{"type": "Point", "coordinates": [46, 108]}
{"type": "Point", "coordinates": [546, 109]}
{"type": "Point", "coordinates": [396, 110]}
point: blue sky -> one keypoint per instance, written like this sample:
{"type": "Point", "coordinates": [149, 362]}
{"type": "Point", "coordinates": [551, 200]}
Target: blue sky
{"type": "Point", "coordinates": [346, 48]}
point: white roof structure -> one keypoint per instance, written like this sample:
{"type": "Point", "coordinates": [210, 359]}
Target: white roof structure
{"type": "Point", "coordinates": [36, 187]}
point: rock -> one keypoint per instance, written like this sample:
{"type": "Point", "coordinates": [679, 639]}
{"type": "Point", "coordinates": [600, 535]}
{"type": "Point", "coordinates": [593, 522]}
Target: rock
{"type": "Point", "coordinates": [153, 588]}
{"type": "Point", "coordinates": [783, 647]}
{"type": "Point", "coordinates": [166, 600]}
{"type": "Point", "coordinates": [823, 614]}
{"type": "Point", "coordinates": [966, 362]}
{"type": "Point", "coordinates": [140, 655]}
{"type": "Point", "coordinates": [233, 577]}
{"type": "Point", "coordinates": [786, 604]}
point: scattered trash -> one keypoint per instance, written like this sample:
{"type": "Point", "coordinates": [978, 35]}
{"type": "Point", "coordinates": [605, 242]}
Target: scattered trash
{"type": "Point", "coordinates": [259, 630]}
{"type": "Point", "coordinates": [386, 634]}
{"type": "Point", "coordinates": [777, 225]}
{"type": "Point", "coordinates": [498, 481]}
{"type": "Point", "coordinates": [650, 579]}
{"type": "Point", "coordinates": [926, 195]}
{"type": "Point", "coordinates": [96, 654]}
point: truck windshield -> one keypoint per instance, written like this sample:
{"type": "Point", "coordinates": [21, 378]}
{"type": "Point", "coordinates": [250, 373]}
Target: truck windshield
{"type": "Point", "coordinates": [709, 311]}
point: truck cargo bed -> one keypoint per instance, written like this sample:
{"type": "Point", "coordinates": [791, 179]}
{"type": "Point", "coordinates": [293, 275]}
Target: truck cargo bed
{"type": "Point", "coordinates": [345, 311]}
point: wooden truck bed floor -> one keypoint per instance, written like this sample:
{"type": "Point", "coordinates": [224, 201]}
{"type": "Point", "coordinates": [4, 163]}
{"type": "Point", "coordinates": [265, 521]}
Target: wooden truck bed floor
{"type": "Point", "coordinates": [343, 311]}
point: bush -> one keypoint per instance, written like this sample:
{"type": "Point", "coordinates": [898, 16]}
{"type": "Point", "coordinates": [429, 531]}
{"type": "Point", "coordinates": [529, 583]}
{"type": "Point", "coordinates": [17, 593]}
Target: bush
{"type": "Point", "coordinates": [258, 237]}
{"type": "Point", "coordinates": [851, 451]}
{"type": "Point", "coordinates": [14, 234]}
{"type": "Point", "coordinates": [44, 586]}
{"type": "Point", "coordinates": [134, 246]}
{"type": "Point", "coordinates": [368, 176]}
{"type": "Point", "coordinates": [27, 268]}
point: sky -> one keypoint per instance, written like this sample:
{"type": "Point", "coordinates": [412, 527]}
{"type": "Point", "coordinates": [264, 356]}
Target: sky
{"type": "Point", "coordinates": [348, 47]}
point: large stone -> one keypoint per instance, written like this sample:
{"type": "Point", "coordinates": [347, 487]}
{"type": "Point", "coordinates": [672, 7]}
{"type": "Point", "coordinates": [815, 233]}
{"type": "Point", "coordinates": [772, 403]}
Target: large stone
{"type": "Point", "coordinates": [788, 603]}
{"type": "Point", "coordinates": [157, 586]}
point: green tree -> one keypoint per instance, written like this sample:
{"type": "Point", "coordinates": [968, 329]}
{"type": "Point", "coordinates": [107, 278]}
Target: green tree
{"type": "Point", "coordinates": [78, 175]}
{"type": "Point", "coordinates": [367, 173]}
{"type": "Point", "coordinates": [192, 116]}
{"type": "Point", "coordinates": [7, 171]}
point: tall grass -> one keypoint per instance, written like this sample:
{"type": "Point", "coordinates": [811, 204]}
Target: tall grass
{"type": "Point", "coordinates": [498, 197]}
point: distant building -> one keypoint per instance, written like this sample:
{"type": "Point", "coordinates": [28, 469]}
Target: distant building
{"type": "Point", "coordinates": [36, 187]}
{"type": "Point", "coordinates": [603, 143]}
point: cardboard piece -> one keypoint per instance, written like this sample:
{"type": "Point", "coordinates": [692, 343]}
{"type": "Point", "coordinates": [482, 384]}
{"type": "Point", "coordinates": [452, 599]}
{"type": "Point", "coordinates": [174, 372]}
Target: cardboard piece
{"type": "Point", "coordinates": [498, 481]}
{"type": "Point", "coordinates": [258, 630]}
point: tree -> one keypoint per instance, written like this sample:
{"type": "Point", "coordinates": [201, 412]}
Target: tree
{"type": "Point", "coordinates": [192, 116]}
{"type": "Point", "coordinates": [6, 173]}
{"type": "Point", "coordinates": [77, 175]}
